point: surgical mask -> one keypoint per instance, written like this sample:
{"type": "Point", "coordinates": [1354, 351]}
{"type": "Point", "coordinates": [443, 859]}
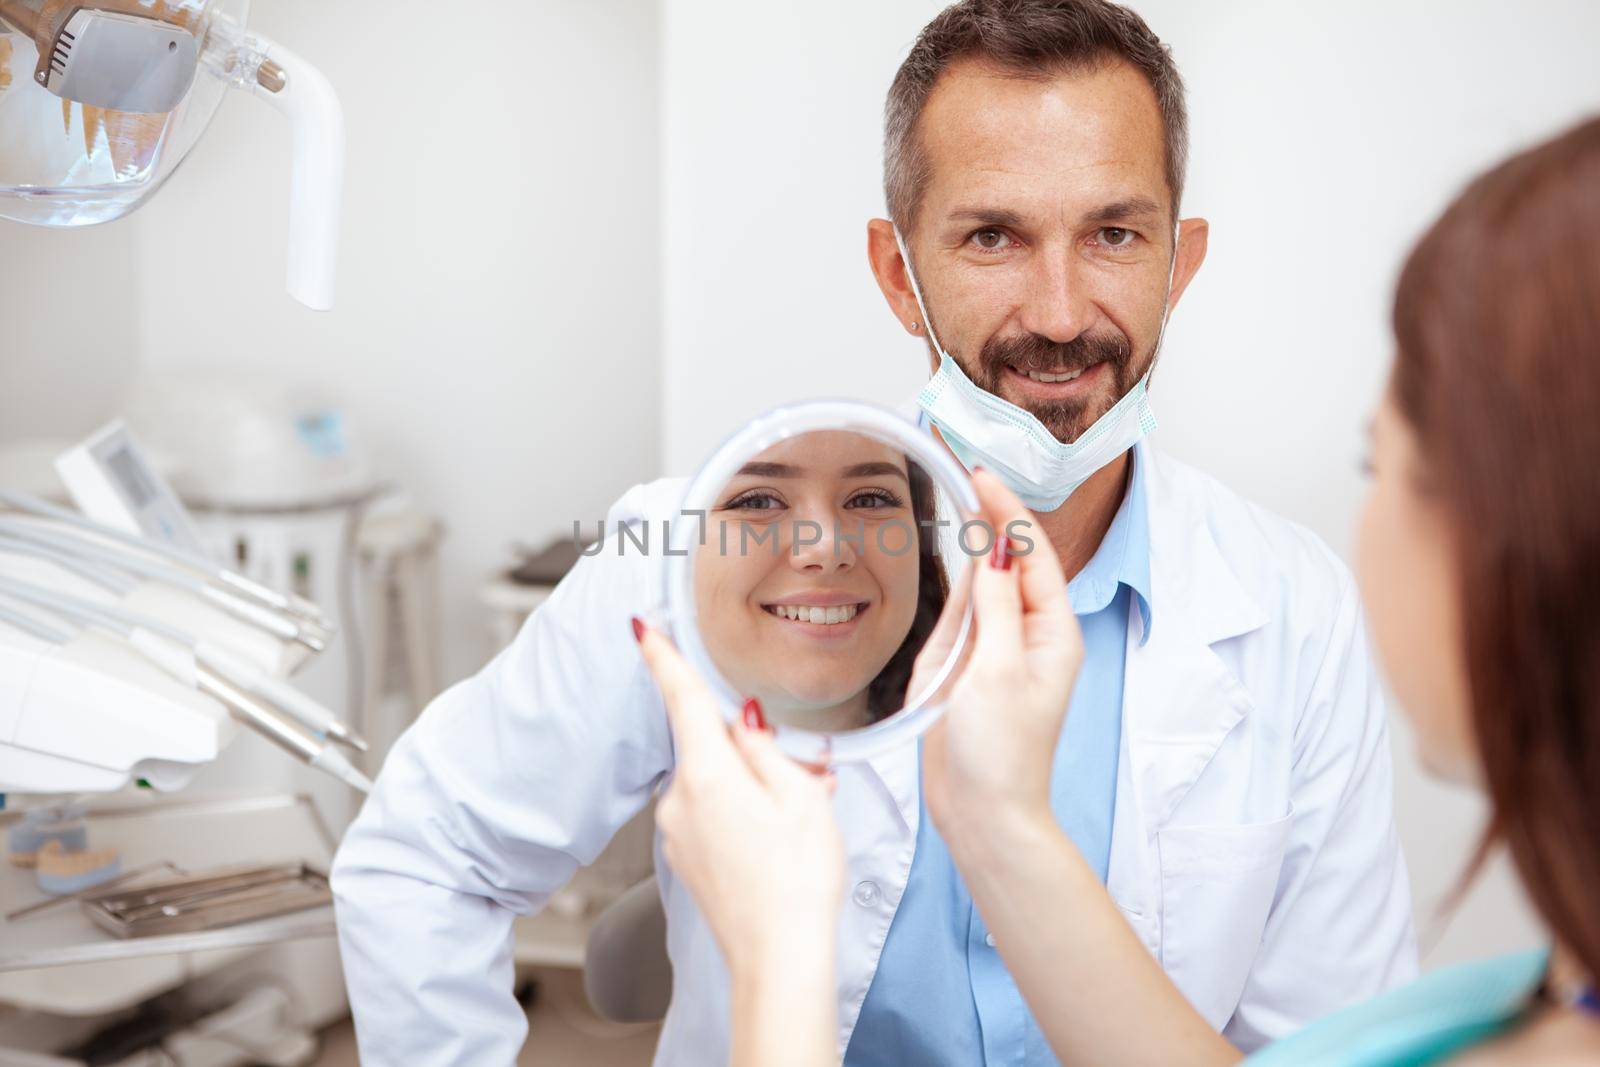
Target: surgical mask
{"type": "Point", "coordinates": [984, 430]}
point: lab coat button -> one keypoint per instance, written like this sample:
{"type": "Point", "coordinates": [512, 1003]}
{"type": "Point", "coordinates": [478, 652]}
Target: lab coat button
{"type": "Point", "coordinates": [866, 894]}
{"type": "Point", "coordinates": [988, 939]}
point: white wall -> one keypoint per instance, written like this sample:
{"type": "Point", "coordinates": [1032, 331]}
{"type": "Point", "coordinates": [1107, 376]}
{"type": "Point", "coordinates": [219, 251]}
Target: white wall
{"type": "Point", "coordinates": [495, 337]}
{"type": "Point", "coordinates": [68, 327]}
{"type": "Point", "coordinates": [1325, 138]}
{"type": "Point", "coordinates": [770, 161]}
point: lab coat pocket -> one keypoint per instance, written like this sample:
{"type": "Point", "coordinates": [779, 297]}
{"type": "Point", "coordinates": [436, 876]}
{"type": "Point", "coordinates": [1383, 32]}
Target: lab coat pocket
{"type": "Point", "coordinates": [1217, 886]}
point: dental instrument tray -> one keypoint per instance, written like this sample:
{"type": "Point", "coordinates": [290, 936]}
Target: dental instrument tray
{"type": "Point", "coordinates": [208, 900]}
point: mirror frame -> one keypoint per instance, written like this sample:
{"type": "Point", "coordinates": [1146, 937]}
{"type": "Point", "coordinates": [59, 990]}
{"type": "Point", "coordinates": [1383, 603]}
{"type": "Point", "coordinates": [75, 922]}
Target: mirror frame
{"type": "Point", "coordinates": [764, 431]}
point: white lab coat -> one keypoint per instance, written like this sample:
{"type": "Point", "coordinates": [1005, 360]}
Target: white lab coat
{"type": "Point", "coordinates": [1253, 845]}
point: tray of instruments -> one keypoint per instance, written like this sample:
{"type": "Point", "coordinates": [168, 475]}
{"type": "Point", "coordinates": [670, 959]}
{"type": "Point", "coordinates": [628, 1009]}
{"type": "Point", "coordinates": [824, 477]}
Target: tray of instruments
{"type": "Point", "coordinates": [208, 901]}
{"type": "Point", "coordinates": [163, 839]}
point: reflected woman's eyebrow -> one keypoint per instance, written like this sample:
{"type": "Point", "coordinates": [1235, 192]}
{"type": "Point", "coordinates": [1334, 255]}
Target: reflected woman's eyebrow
{"type": "Point", "coordinates": [875, 470]}
{"type": "Point", "coordinates": [878, 469]}
{"type": "Point", "coordinates": [770, 470]}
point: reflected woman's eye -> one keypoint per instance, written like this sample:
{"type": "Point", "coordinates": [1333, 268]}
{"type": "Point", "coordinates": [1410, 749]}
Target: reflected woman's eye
{"type": "Point", "coordinates": [874, 499]}
{"type": "Point", "coordinates": [755, 500]}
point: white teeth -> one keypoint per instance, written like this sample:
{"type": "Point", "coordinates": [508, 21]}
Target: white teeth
{"type": "Point", "coordinates": [1052, 378]}
{"type": "Point", "coordinates": [819, 616]}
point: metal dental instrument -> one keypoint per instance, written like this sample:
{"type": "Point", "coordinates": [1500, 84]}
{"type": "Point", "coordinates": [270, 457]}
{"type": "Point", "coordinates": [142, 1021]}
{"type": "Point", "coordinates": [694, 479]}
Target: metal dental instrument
{"type": "Point", "coordinates": [290, 736]}
{"type": "Point", "coordinates": [285, 696]}
{"type": "Point", "coordinates": [147, 637]}
{"type": "Point", "coordinates": [286, 602]}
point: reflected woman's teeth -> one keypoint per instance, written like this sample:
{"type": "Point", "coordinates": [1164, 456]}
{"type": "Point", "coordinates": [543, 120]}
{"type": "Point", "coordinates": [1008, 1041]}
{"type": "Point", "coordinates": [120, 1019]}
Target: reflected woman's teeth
{"type": "Point", "coordinates": [820, 616]}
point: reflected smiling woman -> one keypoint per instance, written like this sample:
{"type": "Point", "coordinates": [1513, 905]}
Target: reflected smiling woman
{"type": "Point", "coordinates": [1480, 568]}
{"type": "Point", "coordinates": [818, 579]}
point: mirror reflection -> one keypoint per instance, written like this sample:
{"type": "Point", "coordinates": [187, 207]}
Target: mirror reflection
{"type": "Point", "coordinates": [819, 578]}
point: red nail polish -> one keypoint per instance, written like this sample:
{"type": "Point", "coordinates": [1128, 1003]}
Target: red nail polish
{"type": "Point", "coordinates": [638, 628]}
{"type": "Point", "coordinates": [1000, 558]}
{"type": "Point", "coordinates": [753, 718]}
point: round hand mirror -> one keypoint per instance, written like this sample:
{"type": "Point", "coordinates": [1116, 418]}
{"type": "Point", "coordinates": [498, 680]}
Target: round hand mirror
{"type": "Point", "coordinates": [813, 560]}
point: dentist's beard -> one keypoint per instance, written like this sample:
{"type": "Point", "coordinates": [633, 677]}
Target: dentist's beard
{"type": "Point", "coordinates": [1065, 419]}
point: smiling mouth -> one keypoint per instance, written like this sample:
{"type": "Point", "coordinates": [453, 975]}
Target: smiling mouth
{"type": "Point", "coordinates": [1051, 379]}
{"type": "Point", "coordinates": [817, 616]}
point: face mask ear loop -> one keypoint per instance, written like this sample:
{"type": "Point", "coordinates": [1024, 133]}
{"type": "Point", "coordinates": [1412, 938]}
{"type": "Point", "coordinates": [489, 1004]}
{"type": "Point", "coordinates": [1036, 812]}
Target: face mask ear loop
{"type": "Point", "coordinates": [1166, 301]}
{"type": "Point", "coordinates": [916, 291]}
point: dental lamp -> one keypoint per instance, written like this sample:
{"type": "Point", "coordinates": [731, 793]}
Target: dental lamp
{"type": "Point", "coordinates": [100, 100]}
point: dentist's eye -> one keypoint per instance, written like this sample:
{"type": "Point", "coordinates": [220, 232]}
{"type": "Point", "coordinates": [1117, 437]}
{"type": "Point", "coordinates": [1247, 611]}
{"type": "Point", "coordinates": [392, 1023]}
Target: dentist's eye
{"type": "Point", "coordinates": [991, 240]}
{"type": "Point", "coordinates": [874, 499]}
{"type": "Point", "coordinates": [1115, 237]}
{"type": "Point", "coordinates": [755, 500]}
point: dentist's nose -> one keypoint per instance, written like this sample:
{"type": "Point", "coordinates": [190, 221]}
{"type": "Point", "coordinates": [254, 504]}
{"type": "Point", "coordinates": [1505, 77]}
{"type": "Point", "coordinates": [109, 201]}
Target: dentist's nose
{"type": "Point", "coordinates": [1056, 304]}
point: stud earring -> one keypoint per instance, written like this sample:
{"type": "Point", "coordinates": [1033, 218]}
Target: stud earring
{"type": "Point", "coordinates": [915, 326]}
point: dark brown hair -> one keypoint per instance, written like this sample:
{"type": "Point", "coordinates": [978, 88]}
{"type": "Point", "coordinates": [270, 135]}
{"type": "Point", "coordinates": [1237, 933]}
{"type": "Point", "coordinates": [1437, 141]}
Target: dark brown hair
{"type": "Point", "coordinates": [1029, 38]}
{"type": "Point", "coordinates": [887, 692]}
{"type": "Point", "coordinates": [1497, 319]}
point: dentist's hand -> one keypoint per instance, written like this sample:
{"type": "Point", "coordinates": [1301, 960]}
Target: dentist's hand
{"type": "Point", "coordinates": [990, 756]}
{"type": "Point", "coordinates": [749, 830]}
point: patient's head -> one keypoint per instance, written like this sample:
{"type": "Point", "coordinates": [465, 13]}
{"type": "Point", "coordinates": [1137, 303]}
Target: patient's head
{"type": "Point", "coordinates": [1480, 542]}
{"type": "Point", "coordinates": [816, 582]}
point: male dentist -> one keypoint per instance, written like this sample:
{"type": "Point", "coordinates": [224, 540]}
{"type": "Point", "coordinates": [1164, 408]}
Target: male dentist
{"type": "Point", "coordinates": [1225, 762]}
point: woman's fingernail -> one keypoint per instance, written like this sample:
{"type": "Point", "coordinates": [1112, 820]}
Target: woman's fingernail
{"type": "Point", "coordinates": [1000, 558]}
{"type": "Point", "coordinates": [638, 628]}
{"type": "Point", "coordinates": [753, 719]}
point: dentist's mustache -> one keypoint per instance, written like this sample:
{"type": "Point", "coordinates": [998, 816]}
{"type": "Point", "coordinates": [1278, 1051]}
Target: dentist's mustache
{"type": "Point", "coordinates": [1031, 352]}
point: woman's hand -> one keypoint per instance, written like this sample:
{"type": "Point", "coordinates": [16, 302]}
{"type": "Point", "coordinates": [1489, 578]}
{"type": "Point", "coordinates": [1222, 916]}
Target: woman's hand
{"type": "Point", "coordinates": [1098, 994]}
{"type": "Point", "coordinates": [749, 830]}
{"type": "Point", "coordinates": [990, 757]}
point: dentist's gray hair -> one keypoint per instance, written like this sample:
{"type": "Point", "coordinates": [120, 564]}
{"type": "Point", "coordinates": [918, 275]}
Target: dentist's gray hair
{"type": "Point", "coordinates": [1032, 39]}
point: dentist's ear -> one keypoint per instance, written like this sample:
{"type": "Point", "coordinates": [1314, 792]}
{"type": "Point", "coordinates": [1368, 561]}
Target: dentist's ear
{"type": "Point", "coordinates": [1193, 237]}
{"type": "Point", "coordinates": [883, 255]}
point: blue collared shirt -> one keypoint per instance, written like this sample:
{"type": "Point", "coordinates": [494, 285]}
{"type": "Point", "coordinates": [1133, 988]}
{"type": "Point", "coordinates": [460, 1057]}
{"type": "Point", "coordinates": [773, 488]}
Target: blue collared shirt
{"type": "Point", "coordinates": [941, 996]}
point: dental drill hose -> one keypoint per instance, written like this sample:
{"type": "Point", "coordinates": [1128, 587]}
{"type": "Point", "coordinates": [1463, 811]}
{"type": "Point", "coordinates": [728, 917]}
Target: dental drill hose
{"type": "Point", "coordinates": [251, 589]}
{"type": "Point", "coordinates": [313, 635]}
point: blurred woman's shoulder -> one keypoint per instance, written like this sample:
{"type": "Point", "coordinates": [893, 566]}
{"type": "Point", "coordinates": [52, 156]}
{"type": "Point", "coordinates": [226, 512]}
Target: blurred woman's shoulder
{"type": "Point", "coordinates": [1552, 1039]}
{"type": "Point", "coordinates": [1438, 1019]}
